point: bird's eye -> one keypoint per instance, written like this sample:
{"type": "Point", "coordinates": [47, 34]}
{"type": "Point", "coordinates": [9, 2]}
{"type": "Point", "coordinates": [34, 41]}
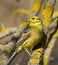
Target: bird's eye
{"type": "Point", "coordinates": [33, 18]}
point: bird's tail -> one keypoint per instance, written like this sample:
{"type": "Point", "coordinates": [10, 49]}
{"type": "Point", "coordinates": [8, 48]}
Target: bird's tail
{"type": "Point", "coordinates": [18, 50]}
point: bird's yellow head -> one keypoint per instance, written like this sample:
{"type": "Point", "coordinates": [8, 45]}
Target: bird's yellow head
{"type": "Point", "coordinates": [36, 22]}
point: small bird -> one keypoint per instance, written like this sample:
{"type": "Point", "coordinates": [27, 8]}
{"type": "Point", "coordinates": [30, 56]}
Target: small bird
{"type": "Point", "coordinates": [36, 34]}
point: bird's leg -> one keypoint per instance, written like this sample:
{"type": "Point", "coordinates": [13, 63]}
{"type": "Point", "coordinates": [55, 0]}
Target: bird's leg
{"type": "Point", "coordinates": [28, 52]}
{"type": "Point", "coordinates": [36, 57]}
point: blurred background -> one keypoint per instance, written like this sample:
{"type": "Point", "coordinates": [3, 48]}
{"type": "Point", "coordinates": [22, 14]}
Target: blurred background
{"type": "Point", "coordinates": [9, 19]}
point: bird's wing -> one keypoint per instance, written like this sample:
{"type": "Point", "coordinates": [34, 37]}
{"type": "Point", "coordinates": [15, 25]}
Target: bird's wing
{"type": "Point", "coordinates": [23, 38]}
